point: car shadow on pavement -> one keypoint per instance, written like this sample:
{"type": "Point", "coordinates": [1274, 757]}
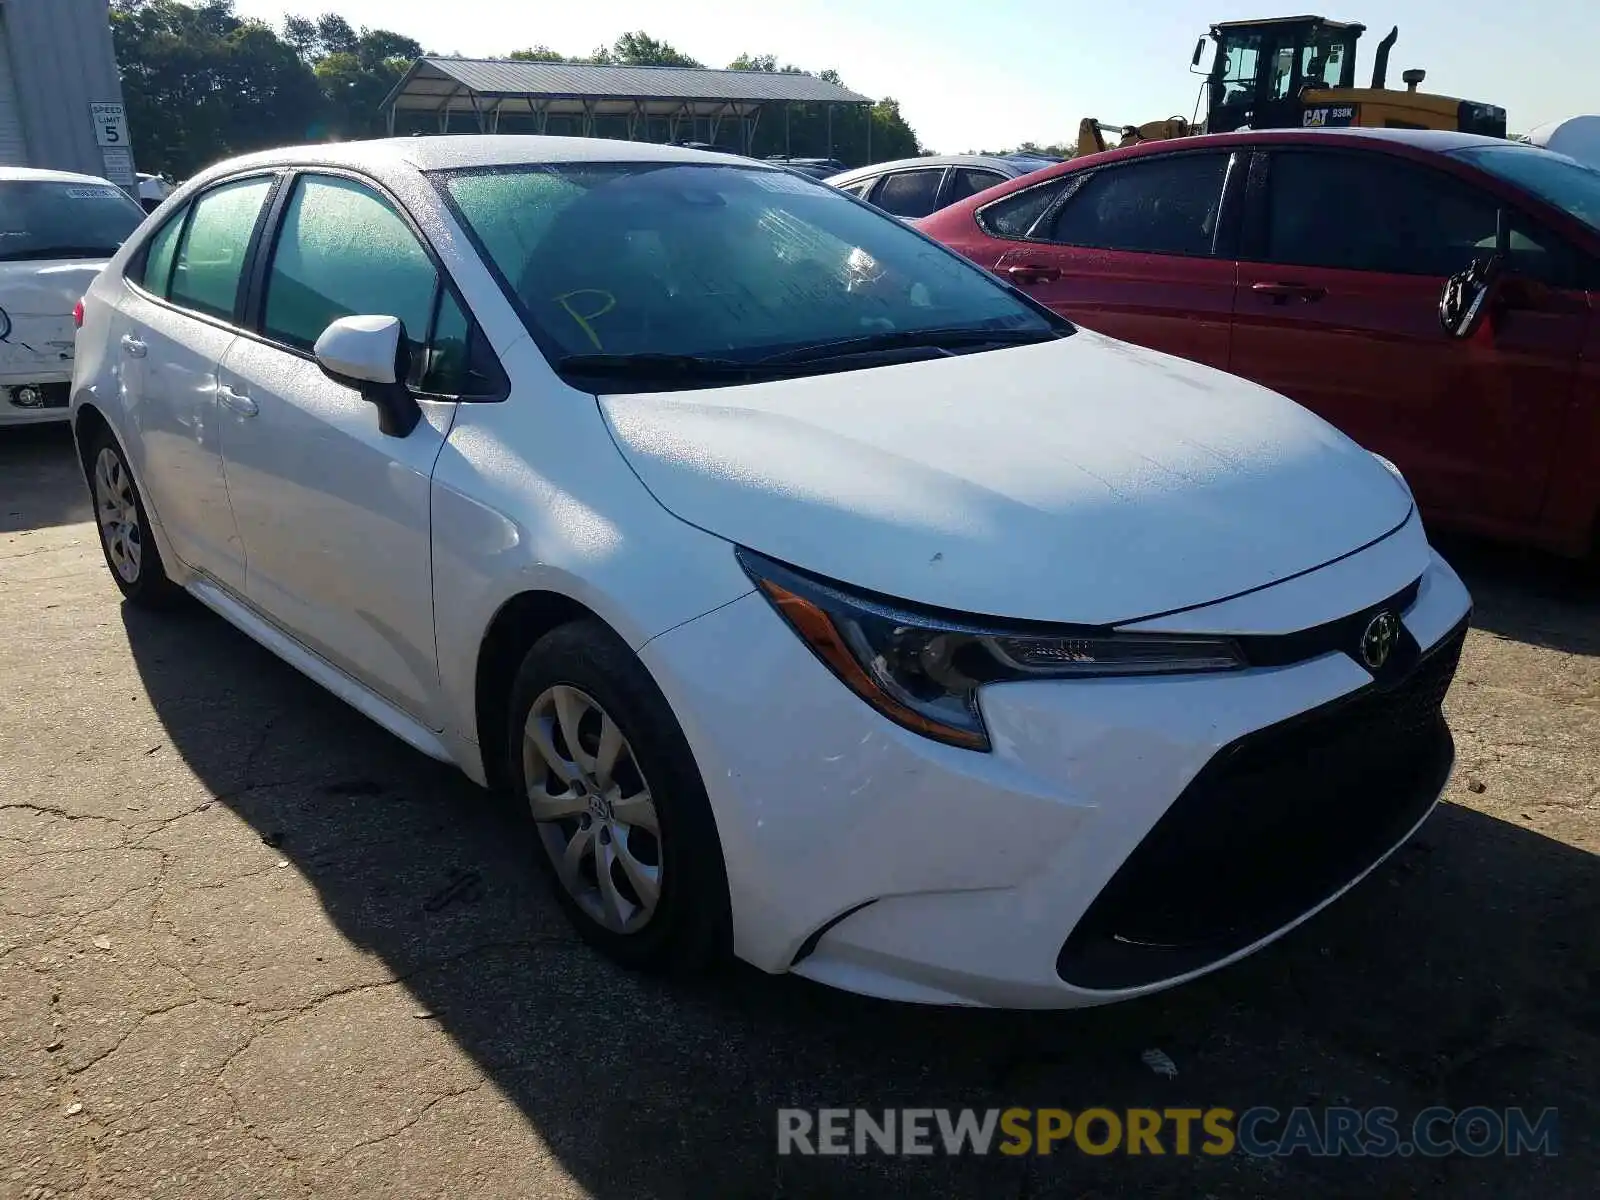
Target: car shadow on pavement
{"type": "Point", "coordinates": [1465, 971]}
{"type": "Point", "coordinates": [1526, 595]}
{"type": "Point", "coordinates": [43, 484]}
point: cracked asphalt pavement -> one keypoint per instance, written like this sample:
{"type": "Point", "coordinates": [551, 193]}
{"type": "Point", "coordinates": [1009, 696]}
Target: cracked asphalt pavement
{"type": "Point", "coordinates": [250, 945]}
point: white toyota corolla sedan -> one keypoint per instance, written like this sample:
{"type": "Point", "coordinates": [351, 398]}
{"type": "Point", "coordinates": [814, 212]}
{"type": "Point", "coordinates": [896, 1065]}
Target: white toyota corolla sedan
{"type": "Point", "coordinates": [824, 599]}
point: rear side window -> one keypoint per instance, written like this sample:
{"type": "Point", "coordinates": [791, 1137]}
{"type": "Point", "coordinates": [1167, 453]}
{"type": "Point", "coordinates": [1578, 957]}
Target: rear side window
{"type": "Point", "coordinates": [1014, 216]}
{"type": "Point", "coordinates": [210, 262]}
{"type": "Point", "coordinates": [860, 189]}
{"type": "Point", "coordinates": [344, 251]}
{"type": "Point", "coordinates": [909, 193]}
{"type": "Point", "coordinates": [1163, 205]}
{"type": "Point", "coordinates": [155, 273]}
{"type": "Point", "coordinates": [968, 182]}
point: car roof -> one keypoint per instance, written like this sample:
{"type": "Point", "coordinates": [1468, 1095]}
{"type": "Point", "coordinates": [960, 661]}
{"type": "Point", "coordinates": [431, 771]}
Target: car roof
{"type": "Point", "coordinates": [38, 175]}
{"type": "Point", "coordinates": [1435, 141]}
{"type": "Point", "coordinates": [1006, 166]}
{"type": "Point", "coordinates": [382, 156]}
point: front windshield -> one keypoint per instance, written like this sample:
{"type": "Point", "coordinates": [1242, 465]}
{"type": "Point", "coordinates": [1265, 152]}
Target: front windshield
{"type": "Point", "coordinates": [42, 219]}
{"type": "Point", "coordinates": [1564, 182]}
{"type": "Point", "coordinates": [736, 263]}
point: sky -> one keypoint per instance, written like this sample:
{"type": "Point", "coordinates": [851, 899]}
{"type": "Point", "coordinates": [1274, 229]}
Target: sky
{"type": "Point", "coordinates": [992, 74]}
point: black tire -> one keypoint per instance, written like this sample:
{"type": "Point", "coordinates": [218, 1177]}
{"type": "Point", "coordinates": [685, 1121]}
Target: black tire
{"type": "Point", "coordinates": [689, 931]}
{"type": "Point", "coordinates": [147, 584]}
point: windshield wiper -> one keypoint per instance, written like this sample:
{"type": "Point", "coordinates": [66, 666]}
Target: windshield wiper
{"type": "Point", "coordinates": [58, 252]}
{"type": "Point", "coordinates": [657, 366]}
{"type": "Point", "coordinates": [901, 339]}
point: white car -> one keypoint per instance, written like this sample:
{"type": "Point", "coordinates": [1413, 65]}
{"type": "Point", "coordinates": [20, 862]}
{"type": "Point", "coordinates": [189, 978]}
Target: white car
{"type": "Point", "coordinates": [822, 598]}
{"type": "Point", "coordinates": [153, 189]}
{"type": "Point", "coordinates": [57, 230]}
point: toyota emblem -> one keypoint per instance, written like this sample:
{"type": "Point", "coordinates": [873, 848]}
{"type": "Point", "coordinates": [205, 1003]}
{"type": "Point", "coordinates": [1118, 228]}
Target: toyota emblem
{"type": "Point", "coordinates": [1378, 639]}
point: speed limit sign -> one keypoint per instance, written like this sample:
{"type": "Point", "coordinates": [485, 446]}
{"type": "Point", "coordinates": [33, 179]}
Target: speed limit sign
{"type": "Point", "coordinates": [110, 124]}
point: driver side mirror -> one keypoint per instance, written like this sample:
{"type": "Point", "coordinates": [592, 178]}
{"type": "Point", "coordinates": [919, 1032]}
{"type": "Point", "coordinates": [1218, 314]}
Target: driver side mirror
{"type": "Point", "coordinates": [1468, 294]}
{"type": "Point", "coordinates": [372, 355]}
{"type": "Point", "coordinates": [1466, 298]}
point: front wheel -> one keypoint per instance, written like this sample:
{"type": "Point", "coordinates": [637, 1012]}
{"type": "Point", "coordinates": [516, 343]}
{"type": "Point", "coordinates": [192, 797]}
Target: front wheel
{"type": "Point", "coordinates": [125, 538]}
{"type": "Point", "coordinates": [617, 804]}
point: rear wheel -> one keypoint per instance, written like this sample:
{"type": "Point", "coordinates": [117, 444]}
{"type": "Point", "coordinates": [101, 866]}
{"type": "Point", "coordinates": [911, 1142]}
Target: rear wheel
{"type": "Point", "coordinates": [125, 537]}
{"type": "Point", "coordinates": [617, 805]}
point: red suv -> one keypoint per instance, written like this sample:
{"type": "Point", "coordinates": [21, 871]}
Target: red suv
{"type": "Point", "coordinates": [1314, 262]}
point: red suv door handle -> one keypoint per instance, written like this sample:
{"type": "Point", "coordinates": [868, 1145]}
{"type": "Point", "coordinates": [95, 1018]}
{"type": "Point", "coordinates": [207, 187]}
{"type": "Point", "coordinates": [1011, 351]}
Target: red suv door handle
{"type": "Point", "coordinates": [1033, 273]}
{"type": "Point", "coordinates": [1282, 293]}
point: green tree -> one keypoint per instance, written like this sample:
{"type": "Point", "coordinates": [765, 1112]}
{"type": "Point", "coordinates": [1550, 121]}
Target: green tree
{"type": "Point", "coordinates": [639, 49]}
{"type": "Point", "coordinates": [301, 33]}
{"type": "Point", "coordinates": [540, 54]}
{"type": "Point", "coordinates": [334, 35]}
{"type": "Point", "coordinates": [202, 84]}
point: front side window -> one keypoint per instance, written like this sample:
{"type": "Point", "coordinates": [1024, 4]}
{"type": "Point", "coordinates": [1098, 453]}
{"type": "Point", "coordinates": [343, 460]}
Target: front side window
{"type": "Point", "coordinates": [210, 262]}
{"type": "Point", "coordinates": [909, 193]}
{"type": "Point", "coordinates": [1366, 212]}
{"type": "Point", "coordinates": [43, 219]}
{"type": "Point", "coordinates": [1163, 205]}
{"type": "Point", "coordinates": [860, 190]}
{"type": "Point", "coordinates": [1563, 182]}
{"type": "Point", "coordinates": [730, 263]}
{"type": "Point", "coordinates": [344, 251]}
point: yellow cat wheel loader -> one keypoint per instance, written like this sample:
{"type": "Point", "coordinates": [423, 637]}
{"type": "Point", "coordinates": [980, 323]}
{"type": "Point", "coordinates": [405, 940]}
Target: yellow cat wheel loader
{"type": "Point", "coordinates": [1300, 71]}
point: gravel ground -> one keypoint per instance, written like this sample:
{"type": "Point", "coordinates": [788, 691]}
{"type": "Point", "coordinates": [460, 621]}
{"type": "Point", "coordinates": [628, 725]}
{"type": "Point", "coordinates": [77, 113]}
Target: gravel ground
{"type": "Point", "coordinates": [250, 945]}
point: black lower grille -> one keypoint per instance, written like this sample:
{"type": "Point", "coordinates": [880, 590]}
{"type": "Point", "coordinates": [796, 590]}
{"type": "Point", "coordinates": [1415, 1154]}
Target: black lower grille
{"type": "Point", "coordinates": [1274, 824]}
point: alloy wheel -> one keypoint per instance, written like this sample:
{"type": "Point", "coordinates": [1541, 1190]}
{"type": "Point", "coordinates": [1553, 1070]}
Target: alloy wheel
{"type": "Point", "coordinates": [118, 514]}
{"type": "Point", "coordinates": [593, 808]}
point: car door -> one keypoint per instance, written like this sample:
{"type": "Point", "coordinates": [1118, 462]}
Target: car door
{"type": "Point", "coordinates": [334, 513]}
{"type": "Point", "coordinates": [1139, 249]}
{"type": "Point", "coordinates": [175, 323]}
{"type": "Point", "coordinates": [1345, 255]}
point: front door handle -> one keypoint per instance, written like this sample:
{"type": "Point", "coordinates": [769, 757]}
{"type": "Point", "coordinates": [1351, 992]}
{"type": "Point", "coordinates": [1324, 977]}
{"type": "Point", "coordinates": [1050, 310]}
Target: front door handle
{"type": "Point", "coordinates": [234, 402]}
{"type": "Point", "coordinates": [1282, 293]}
{"type": "Point", "coordinates": [1034, 273]}
{"type": "Point", "coordinates": [133, 346]}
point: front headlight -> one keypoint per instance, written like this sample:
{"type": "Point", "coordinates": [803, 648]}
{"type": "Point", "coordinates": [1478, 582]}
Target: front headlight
{"type": "Point", "coordinates": [1393, 470]}
{"type": "Point", "coordinates": [923, 669]}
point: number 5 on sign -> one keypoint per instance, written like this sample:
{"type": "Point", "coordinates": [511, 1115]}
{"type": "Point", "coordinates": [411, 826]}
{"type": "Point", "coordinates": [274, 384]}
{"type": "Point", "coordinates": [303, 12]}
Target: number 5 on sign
{"type": "Point", "coordinates": [110, 124]}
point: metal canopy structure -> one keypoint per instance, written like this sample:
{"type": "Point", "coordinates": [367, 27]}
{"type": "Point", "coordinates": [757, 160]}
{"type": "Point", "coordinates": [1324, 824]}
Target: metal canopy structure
{"type": "Point", "coordinates": [499, 94]}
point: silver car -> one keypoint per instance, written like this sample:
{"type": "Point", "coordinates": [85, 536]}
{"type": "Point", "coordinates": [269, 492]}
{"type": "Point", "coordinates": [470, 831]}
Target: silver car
{"type": "Point", "coordinates": [914, 187]}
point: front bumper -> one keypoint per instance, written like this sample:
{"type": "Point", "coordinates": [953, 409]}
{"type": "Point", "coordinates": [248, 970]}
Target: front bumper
{"type": "Point", "coordinates": [1124, 835]}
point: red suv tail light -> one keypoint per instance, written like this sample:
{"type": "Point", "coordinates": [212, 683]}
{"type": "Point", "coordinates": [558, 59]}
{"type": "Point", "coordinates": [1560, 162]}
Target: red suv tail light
{"type": "Point", "coordinates": [77, 315]}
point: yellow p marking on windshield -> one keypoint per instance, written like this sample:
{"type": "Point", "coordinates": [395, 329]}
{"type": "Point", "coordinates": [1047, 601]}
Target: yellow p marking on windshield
{"type": "Point", "coordinates": [583, 318]}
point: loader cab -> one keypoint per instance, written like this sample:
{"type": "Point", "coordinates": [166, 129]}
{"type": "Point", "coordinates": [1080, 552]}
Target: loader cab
{"type": "Point", "coordinates": [1261, 67]}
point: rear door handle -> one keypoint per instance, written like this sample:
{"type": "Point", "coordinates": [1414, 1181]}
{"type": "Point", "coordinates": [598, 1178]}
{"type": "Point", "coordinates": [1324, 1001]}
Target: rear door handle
{"type": "Point", "coordinates": [233, 401]}
{"type": "Point", "coordinates": [133, 346]}
{"type": "Point", "coordinates": [1282, 293]}
{"type": "Point", "coordinates": [1033, 273]}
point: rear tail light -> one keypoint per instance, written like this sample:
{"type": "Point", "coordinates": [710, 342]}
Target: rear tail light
{"type": "Point", "coordinates": [77, 315]}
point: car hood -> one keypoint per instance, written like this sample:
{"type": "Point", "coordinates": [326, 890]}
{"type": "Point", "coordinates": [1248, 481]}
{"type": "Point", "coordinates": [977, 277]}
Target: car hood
{"type": "Point", "coordinates": [1080, 480]}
